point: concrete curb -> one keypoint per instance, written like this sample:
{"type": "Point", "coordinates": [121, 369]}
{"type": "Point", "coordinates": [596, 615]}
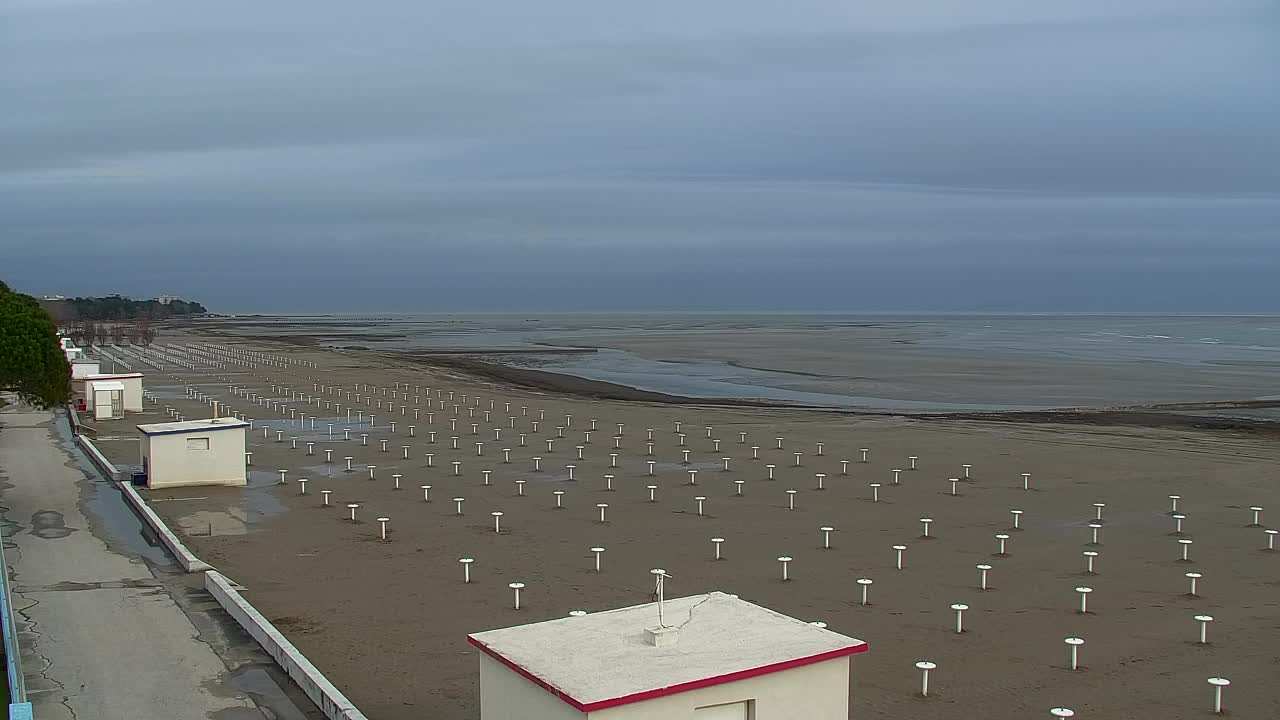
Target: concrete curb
{"type": "Point", "coordinates": [185, 557]}
{"type": "Point", "coordinates": [96, 456]}
{"type": "Point", "coordinates": [74, 416]}
{"type": "Point", "coordinates": [328, 698]}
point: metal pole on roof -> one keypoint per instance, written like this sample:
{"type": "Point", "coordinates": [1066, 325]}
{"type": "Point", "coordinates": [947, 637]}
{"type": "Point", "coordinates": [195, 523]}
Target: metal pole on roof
{"type": "Point", "coordinates": [661, 575]}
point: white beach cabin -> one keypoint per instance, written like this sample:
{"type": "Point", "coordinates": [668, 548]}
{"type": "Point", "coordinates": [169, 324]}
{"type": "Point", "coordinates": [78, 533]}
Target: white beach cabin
{"type": "Point", "coordinates": [81, 369]}
{"type": "Point", "coordinates": [194, 452]}
{"type": "Point", "coordinates": [105, 398]}
{"type": "Point", "coordinates": [716, 658]}
{"type": "Point", "coordinates": [132, 383]}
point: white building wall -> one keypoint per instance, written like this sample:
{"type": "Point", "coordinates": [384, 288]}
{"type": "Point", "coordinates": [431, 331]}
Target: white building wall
{"type": "Point", "coordinates": [132, 386]}
{"type": "Point", "coordinates": [507, 695]}
{"type": "Point", "coordinates": [812, 692]}
{"type": "Point", "coordinates": [132, 394]}
{"type": "Point", "coordinates": [170, 463]}
{"type": "Point", "coordinates": [83, 368]}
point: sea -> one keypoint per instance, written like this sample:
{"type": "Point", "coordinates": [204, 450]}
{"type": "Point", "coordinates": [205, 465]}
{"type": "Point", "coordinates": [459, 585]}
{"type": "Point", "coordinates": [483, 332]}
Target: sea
{"type": "Point", "coordinates": [913, 362]}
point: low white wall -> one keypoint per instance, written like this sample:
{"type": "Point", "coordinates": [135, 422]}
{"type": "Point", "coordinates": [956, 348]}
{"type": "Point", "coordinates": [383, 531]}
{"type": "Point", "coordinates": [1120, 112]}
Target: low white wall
{"type": "Point", "coordinates": [97, 458]}
{"type": "Point", "coordinates": [331, 702]}
{"type": "Point", "coordinates": [185, 557]}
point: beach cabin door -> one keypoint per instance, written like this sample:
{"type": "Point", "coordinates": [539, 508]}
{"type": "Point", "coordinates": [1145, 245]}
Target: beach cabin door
{"type": "Point", "coordinates": [117, 403]}
{"type": "Point", "coordinates": [102, 405]}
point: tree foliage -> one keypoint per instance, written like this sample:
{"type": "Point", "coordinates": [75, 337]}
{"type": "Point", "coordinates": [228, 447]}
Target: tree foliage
{"type": "Point", "coordinates": [32, 363]}
{"type": "Point", "coordinates": [118, 307]}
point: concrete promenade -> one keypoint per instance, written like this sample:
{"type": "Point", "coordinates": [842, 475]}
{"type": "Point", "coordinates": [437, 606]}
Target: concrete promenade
{"type": "Point", "coordinates": [109, 626]}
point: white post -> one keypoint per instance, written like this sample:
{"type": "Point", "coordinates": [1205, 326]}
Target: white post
{"type": "Point", "coordinates": [1204, 621]}
{"type": "Point", "coordinates": [1075, 644]}
{"type": "Point", "coordinates": [925, 666]}
{"type": "Point", "coordinates": [1218, 683]}
{"type": "Point", "coordinates": [1084, 599]}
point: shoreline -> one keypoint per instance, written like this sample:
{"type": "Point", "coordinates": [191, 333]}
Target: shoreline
{"type": "Point", "coordinates": [1154, 416]}
{"type": "Point", "coordinates": [470, 363]}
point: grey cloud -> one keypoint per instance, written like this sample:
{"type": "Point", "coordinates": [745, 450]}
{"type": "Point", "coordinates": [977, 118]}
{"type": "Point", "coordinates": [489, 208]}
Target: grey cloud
{"type": "Point", "coordinates": [1012, 138]}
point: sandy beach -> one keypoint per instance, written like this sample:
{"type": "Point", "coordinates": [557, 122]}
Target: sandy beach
{"type": "Point", "coordinates": [387, 621]}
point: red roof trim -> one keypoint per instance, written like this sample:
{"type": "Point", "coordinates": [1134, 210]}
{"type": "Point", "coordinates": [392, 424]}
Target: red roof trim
{"type": "Point", "coordinates": [671, 689]}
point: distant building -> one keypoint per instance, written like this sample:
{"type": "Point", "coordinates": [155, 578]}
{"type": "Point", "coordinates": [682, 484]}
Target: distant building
{"type": "Point", "coordinates": [167, 299]}
{"type": "Point", "coordinates": [53, 297]}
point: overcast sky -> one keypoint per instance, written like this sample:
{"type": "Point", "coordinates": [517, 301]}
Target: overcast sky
{"type": "Point", "coordinates": [409, 155]}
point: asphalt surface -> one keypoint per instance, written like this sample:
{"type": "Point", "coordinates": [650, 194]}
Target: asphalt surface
{"type": "Point", "coordinates": [109, 626]}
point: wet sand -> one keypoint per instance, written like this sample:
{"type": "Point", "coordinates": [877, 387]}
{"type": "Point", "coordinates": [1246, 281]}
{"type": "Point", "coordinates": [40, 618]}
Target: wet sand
{"type": "Point", "coordinates": [387, 621]}
{"type": "Point", "coordinates": [893, 364]}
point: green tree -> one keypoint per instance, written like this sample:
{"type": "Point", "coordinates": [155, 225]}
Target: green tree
{"type": "Point", "coordinates": [32, 363]}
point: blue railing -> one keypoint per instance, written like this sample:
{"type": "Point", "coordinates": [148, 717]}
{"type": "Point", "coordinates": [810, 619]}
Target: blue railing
{"type": "Point", "coordinates": [19, 708]}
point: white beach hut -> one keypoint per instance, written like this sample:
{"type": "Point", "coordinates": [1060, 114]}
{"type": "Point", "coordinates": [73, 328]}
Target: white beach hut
{"type": "Point", "coordinates": [105, 398]}
{"type": "Point", "coordinates": [81, 369]}
{"type": "Point", "coordinates": [194, 452]}
{"type": "Point", "coordinates": [132, 395]}
{"type": "Point", "coordinates": [716, 658]}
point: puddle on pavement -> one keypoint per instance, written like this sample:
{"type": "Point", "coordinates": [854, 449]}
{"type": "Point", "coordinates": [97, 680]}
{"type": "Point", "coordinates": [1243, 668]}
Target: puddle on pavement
{"type": "Point", "coordinates": [239, 513]}
{"type": "Point", "coordinates": [257, 682]}
{"type": "Point", "coordinates": [49, 525]}
{"type": "Point", "coordinates": [107, 508]}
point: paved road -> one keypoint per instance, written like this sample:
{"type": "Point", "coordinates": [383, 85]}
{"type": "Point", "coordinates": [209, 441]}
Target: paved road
{"type": "Point", "coordinates": [113, 628]}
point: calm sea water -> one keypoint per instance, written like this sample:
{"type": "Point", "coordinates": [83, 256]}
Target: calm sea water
{"type": "Point", "coordinates": [933, 362]}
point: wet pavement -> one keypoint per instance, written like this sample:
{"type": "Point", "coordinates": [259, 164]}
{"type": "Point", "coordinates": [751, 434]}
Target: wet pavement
{"type": "Point", "coordinates": [108, 624]}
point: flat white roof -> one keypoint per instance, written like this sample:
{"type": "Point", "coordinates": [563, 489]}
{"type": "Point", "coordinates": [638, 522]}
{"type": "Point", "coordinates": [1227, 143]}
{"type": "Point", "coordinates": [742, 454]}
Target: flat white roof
{"type": "Point", "coordinates": [108, 376]}
{"type": "Point", "coordinates": [107, 385]}
{"type": "Point", "coordinates": [601, 660]}
{"type": "Point", "coordinates": [190, 426]}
